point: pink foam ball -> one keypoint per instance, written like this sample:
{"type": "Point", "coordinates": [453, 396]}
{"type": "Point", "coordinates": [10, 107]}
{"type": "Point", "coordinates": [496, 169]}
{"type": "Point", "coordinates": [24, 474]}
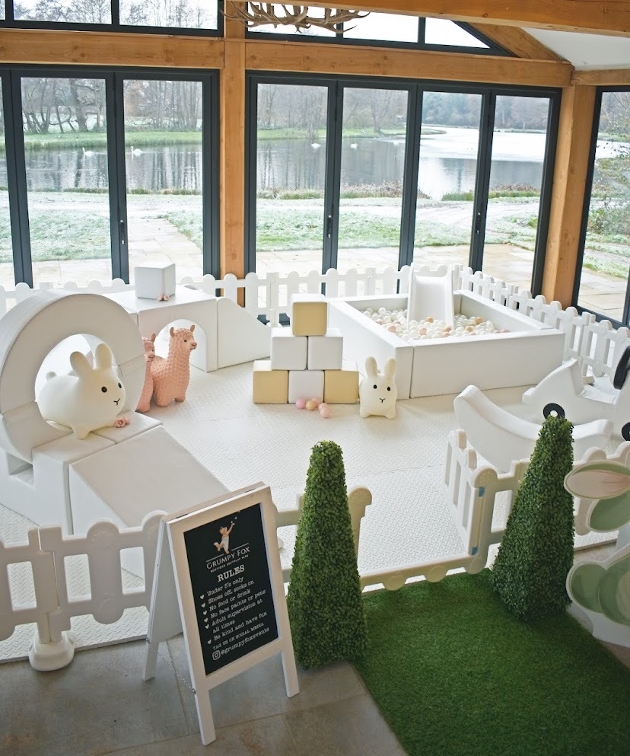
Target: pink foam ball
{"type": "Point", "coordinates": [300, 403]}
{"type": "Point", "coordinates": [324, 410]}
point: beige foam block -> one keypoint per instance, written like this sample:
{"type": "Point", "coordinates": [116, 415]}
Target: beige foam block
{"type": "Point", "coordinates": [270, 386]}
{"type": "Point", "coordinates": [309, 315]}
{"type": "Point", "coordinates": [342, 386]}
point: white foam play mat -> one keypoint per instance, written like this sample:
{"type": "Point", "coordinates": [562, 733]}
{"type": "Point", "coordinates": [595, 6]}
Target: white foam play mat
{"type": "Point", "coordinates": [401, 461]}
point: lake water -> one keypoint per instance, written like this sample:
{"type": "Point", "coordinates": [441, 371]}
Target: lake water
{"type": "Point", "coordinates": [447, 164]}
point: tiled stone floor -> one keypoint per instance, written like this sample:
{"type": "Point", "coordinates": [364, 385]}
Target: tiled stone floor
{"type": "Point", "coordinates": [99, 704]}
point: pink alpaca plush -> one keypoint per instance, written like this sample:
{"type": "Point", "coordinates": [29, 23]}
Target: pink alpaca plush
{"type": "Point", "coordinates": [144, 404]}
{"type": "Point", "coordinates": [171, 375]}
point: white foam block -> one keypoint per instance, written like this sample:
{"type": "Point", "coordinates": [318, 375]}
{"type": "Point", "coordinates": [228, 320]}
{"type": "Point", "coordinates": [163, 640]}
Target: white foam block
{"type": "Point", "coordinates": [241, 336]}
{"type": "Point", "coordinates": [306, 384]}
{"type": "Point", "coordinates": [288, 352]}
{"type": "Point", "coordinates": [155, 280]}
{"type": "Point", "coordinates": [51, 464]}
{"type": "Point", "coordinates": [325, 352]}
{"type": "Point", "coordinates": [185, 307]}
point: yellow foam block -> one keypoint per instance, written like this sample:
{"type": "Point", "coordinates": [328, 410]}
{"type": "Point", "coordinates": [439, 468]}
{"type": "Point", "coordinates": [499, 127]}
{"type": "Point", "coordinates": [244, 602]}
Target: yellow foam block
{"type": "Point", "coordinates": [309, 314]}
{"type": "Point", "coordinates": [270, 386]}
{"type": "Point", "coordinates": [342, 386]}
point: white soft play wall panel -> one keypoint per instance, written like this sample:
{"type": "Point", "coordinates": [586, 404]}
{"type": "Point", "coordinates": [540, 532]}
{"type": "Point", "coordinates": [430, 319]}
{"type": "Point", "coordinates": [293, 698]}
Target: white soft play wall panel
{"type": "Point", "coordinates": [363, 338]}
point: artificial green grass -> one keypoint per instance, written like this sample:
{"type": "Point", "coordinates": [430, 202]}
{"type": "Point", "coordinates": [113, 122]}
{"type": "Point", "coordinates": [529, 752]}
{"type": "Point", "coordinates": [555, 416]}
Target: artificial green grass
{"type": "Point", "coordinates": [454, 673]}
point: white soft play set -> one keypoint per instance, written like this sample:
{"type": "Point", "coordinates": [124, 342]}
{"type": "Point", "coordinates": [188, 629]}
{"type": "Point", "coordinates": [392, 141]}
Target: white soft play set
{"type": "Point", "coordinates": [69, 458]}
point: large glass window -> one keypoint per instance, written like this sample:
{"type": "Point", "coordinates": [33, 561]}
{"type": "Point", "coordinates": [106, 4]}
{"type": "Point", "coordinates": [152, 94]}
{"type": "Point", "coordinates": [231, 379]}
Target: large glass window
{"type": "Point", "coordinates": [6, 248]}
{"type": "Point", "coordinates": [92, 196]}
{"type": "Point", "coordinates": [604, 274]}
{"type": "Point", "coordinates": [446, 177]}
{"type": "Point", "coordinates": [67, 178]}
{"type": "Point", "coordinates": [290, 177]}
{"type": "Point", "coordinates": [372, 171]}
{"type": "Point", "coordinates": [182, 14]}
{"type": "Point", "coordinates": [373, 28]}
{"type": "Point", "coordinates": [64, 11]}
{"type": "Point", "coordinates": [166, 14]}
{"type": "Point", "coordinates": [164, 173]}
{"type": "Point", "coordinates": [398, 174]}
{"type": "Point", "coordinates": [519, 142]}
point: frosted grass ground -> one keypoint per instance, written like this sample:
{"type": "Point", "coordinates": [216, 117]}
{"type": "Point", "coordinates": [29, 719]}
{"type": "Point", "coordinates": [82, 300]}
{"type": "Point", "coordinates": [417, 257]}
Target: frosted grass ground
{"type": "Point", "coordinates": [75, 225]}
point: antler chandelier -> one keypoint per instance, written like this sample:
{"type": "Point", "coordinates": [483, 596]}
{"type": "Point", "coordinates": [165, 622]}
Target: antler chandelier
{"type": "Point", "coordinates": [257, 14]}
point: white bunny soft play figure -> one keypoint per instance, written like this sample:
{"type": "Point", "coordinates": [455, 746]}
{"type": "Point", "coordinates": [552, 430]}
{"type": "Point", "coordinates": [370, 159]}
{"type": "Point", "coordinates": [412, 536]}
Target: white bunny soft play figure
{"type": "Point", "coordinates": [378, 392]}
{"type": "Point", "coordinates": [89, 400]}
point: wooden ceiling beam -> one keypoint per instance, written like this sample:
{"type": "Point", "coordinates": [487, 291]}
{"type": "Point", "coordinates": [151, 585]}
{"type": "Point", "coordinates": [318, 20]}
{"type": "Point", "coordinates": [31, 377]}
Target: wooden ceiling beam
{"type": "Point", "coordinates": [47, 47]}
{"type": "Point", "coordinates": [611, 77]}
{"type": "Point", "coordinates": [594, 16]}
{"type": "Point", "coordinates": [517, 41]}
{"type": "Point", "coordinates": [409, 64]}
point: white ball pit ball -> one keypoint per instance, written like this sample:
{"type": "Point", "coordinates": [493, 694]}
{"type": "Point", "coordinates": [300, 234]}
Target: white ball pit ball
{"type": "Point", "coordinates": [395, 321]}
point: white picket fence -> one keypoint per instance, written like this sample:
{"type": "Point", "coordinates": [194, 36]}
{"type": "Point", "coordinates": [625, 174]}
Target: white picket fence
{"type": "Point", "coordinates": [597, 344]}
{"type": "Point", "coordinates": [481, 499]}
{"type": "Point", "coordinates": [46, 553]}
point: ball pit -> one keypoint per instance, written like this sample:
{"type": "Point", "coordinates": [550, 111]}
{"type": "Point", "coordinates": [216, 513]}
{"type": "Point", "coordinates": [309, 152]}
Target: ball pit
{"type": "Point", "coordinates": [504, 347]}
{"type": "Point", "coordinates": [395, 321]}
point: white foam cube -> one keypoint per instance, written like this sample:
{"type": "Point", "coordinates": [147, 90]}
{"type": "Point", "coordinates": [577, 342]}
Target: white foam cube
{"type": "Point", "coordinates": [288, 352]}
{"type": "Point", "coordinates": [306, 384]}
{"type": "Point", "coordinates": [325, 352]}
{"type": "Point", "coordinates": [155, 280]}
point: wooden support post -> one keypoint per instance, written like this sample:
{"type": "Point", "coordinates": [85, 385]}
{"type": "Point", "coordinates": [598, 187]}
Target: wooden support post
{"type": "Point", "coordinates": [232, 254]}
{"type": "Point", "coordinates": [569, 183]}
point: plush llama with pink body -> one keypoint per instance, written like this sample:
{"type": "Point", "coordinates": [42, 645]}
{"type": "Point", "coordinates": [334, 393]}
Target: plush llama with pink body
{"type": "Point", "coordinates": [144, 403]}
{"type": "Point", "coordinates": [172, 374]}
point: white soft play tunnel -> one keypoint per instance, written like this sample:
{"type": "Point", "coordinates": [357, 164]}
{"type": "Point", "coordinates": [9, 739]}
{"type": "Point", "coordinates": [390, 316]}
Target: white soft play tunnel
{"type": "Point", "coordinates": [27, 334]}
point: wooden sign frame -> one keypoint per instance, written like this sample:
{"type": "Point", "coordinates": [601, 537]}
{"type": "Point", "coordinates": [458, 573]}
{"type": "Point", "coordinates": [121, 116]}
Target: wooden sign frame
{"type": "Point", "coordinates": [197, 549]}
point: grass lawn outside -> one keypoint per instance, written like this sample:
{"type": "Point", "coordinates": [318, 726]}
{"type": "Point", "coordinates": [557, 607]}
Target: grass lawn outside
{"type": "Point", "coordinates": [75, 225]}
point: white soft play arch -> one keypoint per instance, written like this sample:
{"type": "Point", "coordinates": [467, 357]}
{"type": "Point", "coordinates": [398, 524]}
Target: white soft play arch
{"type": "Point", "coordinates": [27, 334]}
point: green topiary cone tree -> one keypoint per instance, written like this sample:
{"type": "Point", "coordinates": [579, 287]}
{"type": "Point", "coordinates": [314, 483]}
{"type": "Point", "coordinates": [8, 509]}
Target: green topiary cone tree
{"type": "Point", "coordinates": [324, 598]}
{"type": "Point", "coordinates": [536, 552]}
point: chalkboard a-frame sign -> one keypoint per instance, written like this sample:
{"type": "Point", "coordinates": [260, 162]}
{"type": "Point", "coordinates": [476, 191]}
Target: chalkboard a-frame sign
{"type": "Point", "coordinates": [218, 578]}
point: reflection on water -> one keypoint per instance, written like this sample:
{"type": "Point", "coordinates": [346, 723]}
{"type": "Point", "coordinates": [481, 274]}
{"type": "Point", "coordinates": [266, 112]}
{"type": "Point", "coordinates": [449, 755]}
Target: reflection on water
{"type": "Point", "coordinates": [447, 164]}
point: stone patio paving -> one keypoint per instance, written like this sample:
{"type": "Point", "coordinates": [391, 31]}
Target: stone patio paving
{"type": "Point", "coordinates": [157, 240]}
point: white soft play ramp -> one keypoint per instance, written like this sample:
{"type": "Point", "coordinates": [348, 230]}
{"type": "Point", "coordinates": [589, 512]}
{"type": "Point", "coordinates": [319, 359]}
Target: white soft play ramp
{"type": "Point", "coordinates": [501, 438]}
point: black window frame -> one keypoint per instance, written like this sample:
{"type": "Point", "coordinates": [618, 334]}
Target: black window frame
{"type": "Point", "coordinates": [10, 22]}
{"type": "Point", "coordinates": [588, 191]}
{"type": "Point", "coordinates": [493, 48]}
{"type": "Point", "coordinates": [416, 88]}
{"type": "Point", "coordinates": [114, 77]}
